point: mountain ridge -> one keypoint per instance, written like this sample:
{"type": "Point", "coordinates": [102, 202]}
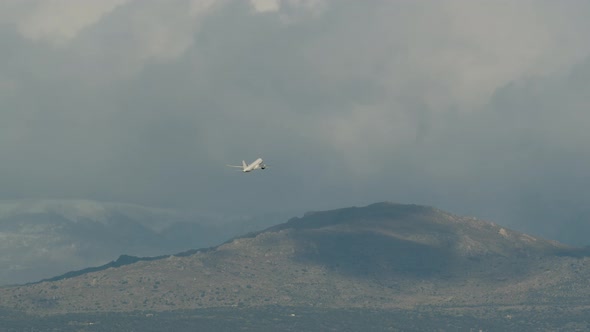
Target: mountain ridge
{"type": "Point", "coordinates": [383, 255]}
{"type": "Point", "coordinates": [42, 238]}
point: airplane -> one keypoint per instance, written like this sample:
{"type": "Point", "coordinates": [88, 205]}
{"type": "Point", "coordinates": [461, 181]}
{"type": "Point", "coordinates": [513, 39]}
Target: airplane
{"type": "Point", "coordinates": [256, 164]}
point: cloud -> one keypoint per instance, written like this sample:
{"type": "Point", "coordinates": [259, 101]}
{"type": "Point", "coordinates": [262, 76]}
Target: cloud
{"type": "Point", "coordinates": [265, 5]}
{"type": "Point", "coordinates": [290, 11]}
{"type": "Point", "coordinates": [58, 21]}
{"type": "Point", "coordinates": [474, 107]}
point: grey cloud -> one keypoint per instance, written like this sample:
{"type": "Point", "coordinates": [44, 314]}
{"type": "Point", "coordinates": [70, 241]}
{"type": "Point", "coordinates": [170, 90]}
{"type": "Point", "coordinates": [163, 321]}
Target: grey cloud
{"type": "Point", "coordinates": [524, 156]}
{"type": "Point", "coordinates": [469, 107]}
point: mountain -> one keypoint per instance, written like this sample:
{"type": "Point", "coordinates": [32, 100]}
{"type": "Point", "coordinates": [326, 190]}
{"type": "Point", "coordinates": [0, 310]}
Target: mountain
{"type": "Point", "coordinates": [43, 238]}
{"type": "Point", "coordinates": [383, 256]}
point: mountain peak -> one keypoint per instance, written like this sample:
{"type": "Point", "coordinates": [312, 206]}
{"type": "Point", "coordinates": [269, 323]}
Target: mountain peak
{"type": "Point", "coordinates": [352, 215]}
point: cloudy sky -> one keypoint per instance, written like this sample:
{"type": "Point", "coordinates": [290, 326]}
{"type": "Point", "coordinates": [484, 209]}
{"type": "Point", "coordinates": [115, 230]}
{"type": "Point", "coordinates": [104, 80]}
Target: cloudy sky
{"type": "Point", "coordinates": [475, 107]}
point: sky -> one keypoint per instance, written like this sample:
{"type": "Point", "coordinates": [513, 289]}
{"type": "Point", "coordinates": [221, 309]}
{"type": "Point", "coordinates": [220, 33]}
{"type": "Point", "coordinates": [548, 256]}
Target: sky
{"type": "Point", "coordinates": [479, 108]}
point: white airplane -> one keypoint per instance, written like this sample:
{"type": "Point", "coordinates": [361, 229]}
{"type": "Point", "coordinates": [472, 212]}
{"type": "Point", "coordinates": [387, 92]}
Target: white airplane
{"type": "Point", "coordinates": [256, 164]}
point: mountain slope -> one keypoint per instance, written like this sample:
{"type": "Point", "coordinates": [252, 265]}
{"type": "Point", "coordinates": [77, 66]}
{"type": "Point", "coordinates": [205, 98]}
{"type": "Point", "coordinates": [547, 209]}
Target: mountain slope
{"type": "Point", "coordinates": [42, 238]}
{"type": "Point", "coordinates": [381, 256]}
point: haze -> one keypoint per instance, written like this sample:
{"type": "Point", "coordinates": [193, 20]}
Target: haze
{"type": "Point", "coordinates": [475, 107]}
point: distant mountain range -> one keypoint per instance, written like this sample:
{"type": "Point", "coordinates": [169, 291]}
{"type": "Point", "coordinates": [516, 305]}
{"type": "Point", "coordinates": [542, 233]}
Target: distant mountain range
{"type": "Point", "coordinates": [43, 238]}
{"type": "Point", "coordinates": [382, 256]}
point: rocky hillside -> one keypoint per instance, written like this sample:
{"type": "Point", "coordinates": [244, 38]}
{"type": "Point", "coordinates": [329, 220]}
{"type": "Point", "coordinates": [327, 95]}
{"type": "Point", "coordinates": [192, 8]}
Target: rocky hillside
{"type": "Point", "coordinates": [383, 255]}
{"type": "Point", "coordinates": [43, 238]}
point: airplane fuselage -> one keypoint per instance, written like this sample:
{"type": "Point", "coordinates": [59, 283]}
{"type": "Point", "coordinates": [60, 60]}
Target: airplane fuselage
{"type": "Point", "coordinates": [256, 164]}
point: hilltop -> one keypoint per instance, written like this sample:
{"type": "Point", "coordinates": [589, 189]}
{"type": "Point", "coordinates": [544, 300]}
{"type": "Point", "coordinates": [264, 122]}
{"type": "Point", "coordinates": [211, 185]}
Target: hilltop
{"type": "Point", "coordinates": [385, 255]}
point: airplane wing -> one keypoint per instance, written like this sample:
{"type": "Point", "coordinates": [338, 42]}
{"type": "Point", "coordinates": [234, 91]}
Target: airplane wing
{"type": "Point", "coordinates": [234, 166]}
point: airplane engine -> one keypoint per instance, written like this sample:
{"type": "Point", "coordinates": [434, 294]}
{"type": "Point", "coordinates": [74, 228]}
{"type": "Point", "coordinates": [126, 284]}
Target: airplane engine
{"type": "Point", "coordinates": [262, 166]}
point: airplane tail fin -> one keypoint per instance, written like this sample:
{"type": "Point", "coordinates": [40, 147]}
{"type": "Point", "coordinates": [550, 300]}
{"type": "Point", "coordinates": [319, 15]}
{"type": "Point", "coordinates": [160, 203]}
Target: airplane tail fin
{"type": "Point", "coordinates": [244, 165]}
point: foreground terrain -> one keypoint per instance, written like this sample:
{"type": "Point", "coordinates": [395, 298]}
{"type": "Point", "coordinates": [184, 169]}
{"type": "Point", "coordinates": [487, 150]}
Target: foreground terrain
{"type": "Point", "coordinates": [275, 318]}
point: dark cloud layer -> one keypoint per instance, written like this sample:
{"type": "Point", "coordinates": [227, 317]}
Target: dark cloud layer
{"type": "Point", "coordinates": [478, 108]}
